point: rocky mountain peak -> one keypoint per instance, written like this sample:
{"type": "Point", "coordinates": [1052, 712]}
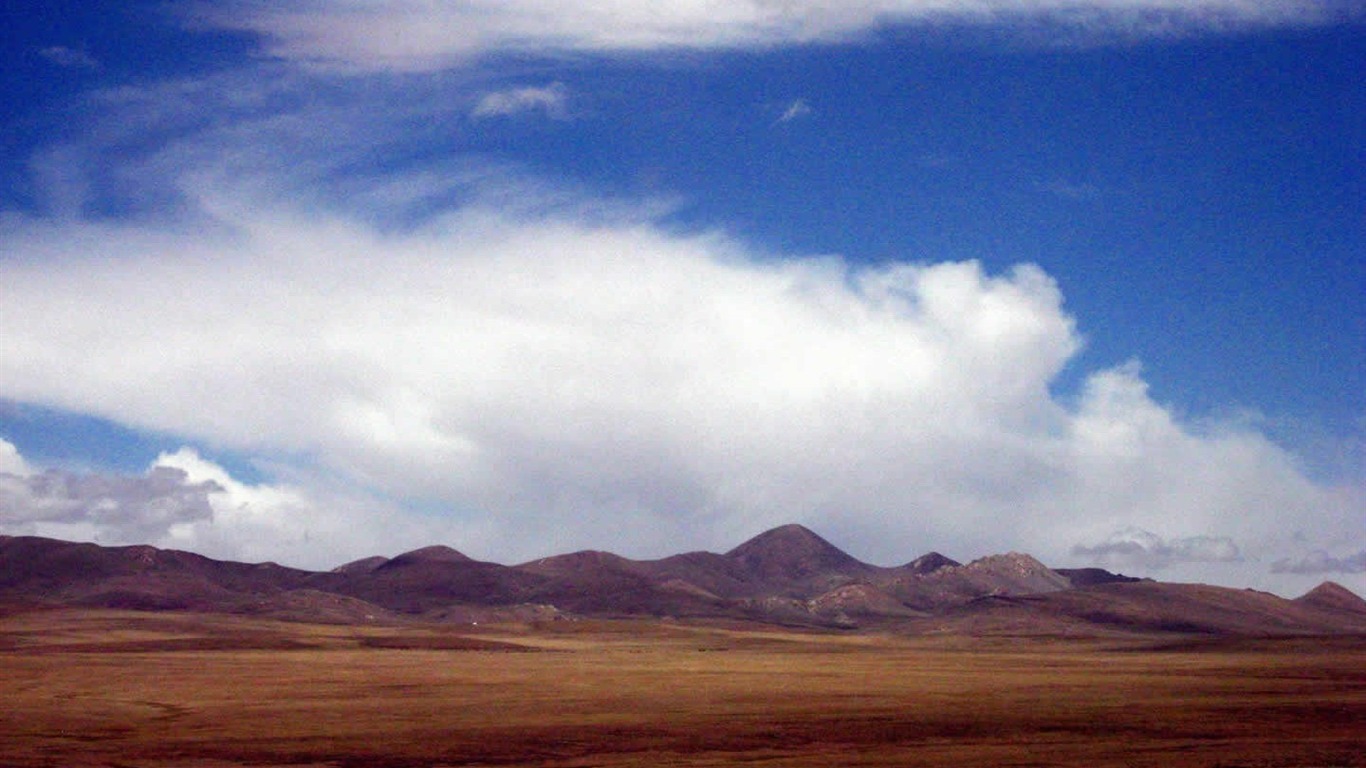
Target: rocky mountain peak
{"type": "Point", "coordinates": [1013, 563]}
{"type": "Point", "coordinates": [929, 563]}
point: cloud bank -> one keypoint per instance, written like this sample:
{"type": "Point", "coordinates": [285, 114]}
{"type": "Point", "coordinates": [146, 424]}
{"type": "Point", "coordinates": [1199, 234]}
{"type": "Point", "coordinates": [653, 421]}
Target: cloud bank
{"type": "Point", "coordinates": [518, 382]}
{"type": "Point", "coordinates": [418, 35]}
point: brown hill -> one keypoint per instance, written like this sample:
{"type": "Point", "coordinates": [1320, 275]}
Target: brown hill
{"type": "Point", "coordinates": [705, 572]}
{"type": "Point", "coordinates": [363, 565]}
{"type": "Point", "coordinates": [1009, 574]}
{"type": "Point", "coordinates": [578, 564]}
{"type": "Point", "coordinates": [853, 604]}
{"type": "Point", "coordinates": [794, 561]}
{"type": "Point", "coordinates": [431, 579]}
{"type": "Point", "coordinates": [1090, 577]}
{"type": "Point", "coordinates": [48, 570]}
{"type": "Point", "coordinates": [1334, 598]}
{"type": "Point", "coordinates": [789, 575]}
{"type": "Point", "coordinates": [315, 607]}
{"type": "Point", "coordinates": [604, 584]}
{"type": "Point", "coordinates": [434, 554]}
{"type": "Point", "coordinates": [926, 564]}
{"type": "Point", "coordinates": [1146, 607]}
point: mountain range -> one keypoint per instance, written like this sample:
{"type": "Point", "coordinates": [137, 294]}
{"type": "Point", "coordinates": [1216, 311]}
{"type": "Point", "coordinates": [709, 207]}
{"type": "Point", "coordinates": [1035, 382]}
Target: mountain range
{"type": "Point", "coordinates": [787, 576]}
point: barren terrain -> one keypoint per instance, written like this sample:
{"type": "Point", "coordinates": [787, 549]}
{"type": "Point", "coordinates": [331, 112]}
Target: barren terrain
{"type": "Point", "coordinates": [86, 687]}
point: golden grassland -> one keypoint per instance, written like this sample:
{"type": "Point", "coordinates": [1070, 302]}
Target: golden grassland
{"type": "Point", "coordinates": [126, 689]}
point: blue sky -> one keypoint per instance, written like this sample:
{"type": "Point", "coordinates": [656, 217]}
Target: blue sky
{"type": "Point", "coordinates": [1076, 277]}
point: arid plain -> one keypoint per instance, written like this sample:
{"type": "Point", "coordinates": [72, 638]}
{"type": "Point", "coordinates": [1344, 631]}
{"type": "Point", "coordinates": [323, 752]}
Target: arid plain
{"type": "Point", "coordinates": [94, 687]}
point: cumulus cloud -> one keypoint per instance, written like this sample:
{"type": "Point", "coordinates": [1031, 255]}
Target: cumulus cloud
{"type": "Point", "coordinates": [184, 501]}
{"type": "Point", "coordinates": [1320, 562]}
{"type": "Point", "coordinates": [550, 99]}
{"type": "Point", "coordinates": [111, 508]}
{"type": "Point", "coordinates": [523, 381]}
{"type": "Point", "coordinates": [304, 523]}
{"type": "Point", "coordinates": [416, 35]}
{"type": "Point", "coordinates": [1135, 547]}
{"type": "Point", "coordinates": [11, 463]}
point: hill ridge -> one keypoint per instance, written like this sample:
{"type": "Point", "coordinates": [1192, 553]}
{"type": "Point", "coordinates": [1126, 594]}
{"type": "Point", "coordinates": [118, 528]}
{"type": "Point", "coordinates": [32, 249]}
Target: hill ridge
{"type": "Point", "coordinates": [788, 575]}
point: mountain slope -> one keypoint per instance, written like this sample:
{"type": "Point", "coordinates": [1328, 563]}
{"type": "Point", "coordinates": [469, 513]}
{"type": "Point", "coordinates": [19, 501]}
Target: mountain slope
{"type": "Point", "coordinates": [602, 583]}
{"type": "Point", "coordinates": [1147, 607]}
{"type": "Point", "coordinates": [48, 570]}
{"type": "Point", "coordinates": [1090, 577]}
{"type": "Point", "coordinates": [924, 564]}
{"type": "Point", "coordinates": [789, 575]}
{"type": "Point", "coordinates": [705, 572]}
{"type": "Point", "coordinates": [950, 585]}
{"type": "Point", "coordinates": [794, 561]}
{"type": "Point", "coordinates": [430, 579]}
{"type": "Point", "coordinates": [1333, 598]}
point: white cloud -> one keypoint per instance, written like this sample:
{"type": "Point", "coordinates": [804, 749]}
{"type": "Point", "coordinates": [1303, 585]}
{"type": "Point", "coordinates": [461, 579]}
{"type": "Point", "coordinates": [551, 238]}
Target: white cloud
{"type": "Point", "coordinates": [319, 526]}
{"type": "Point", "coordinates": [1135, 547]}
{"type": "Point", "coordinates": [794, 111]}
{"type": "Point", "coordinates": [71, 58]}
{"type": "Point", "coordinates": [1320, 562]}
{"type": "Point", "coordinates": [184, 501]}
{"type": "Point", "coordinates": [11, 463]}
{"type": "Point", "coordinates": [539, 380]}
{"type": "Point", "coordinates": [550, 99]}
{"type": "Point", "coordinates": [111, 508]}
{"type": "Point", "coordinates": [416, 35]}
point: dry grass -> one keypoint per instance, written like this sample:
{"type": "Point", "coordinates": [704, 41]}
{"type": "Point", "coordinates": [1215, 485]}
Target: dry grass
{"type": "Point", "coordinates": [119, 689]}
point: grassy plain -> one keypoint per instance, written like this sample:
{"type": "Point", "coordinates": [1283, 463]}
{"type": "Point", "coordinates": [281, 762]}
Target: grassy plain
{"type": "Point", "coordinates": [129, 689]}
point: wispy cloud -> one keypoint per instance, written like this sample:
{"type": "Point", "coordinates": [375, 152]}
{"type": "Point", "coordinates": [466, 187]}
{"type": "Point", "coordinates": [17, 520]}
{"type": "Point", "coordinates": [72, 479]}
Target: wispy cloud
{"type": "Point", "coordinates": [796, 110]}
{"type": "Point", "coordinates": [414, 35]}
{"type": "Point", "coordinates": [1320, 562]}
{"type": "Point", "coordinates": [550, 99]}
{"type": "Point", "coordinates": [1070, 190]}
{"type": "Point", "coordinates": [72, 58]}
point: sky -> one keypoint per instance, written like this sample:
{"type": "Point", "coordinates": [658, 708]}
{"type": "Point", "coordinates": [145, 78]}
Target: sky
{"type": "Point", "coordinates": [307, 282]}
